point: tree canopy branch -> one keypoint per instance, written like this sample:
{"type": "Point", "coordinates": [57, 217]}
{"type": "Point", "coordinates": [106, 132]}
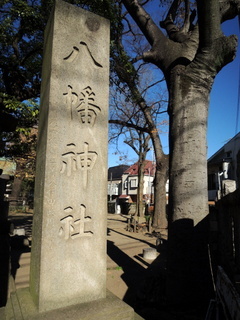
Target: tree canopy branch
{"type": "Point", "coordinates": [229, 9]}
{"type": "Point", "coordinates": [144, 22]}
{"type": "Point", "coordinates": [209, 22]}
{"type": "Point", "coordinates": [129, 125]}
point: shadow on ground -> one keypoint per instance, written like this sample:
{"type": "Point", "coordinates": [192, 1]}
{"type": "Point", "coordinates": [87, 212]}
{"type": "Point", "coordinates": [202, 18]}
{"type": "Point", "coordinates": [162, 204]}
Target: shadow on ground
{"type": "Point", "coordinates": [11, 249]}
{"type": "Point", "coordinates": [146, 291]}
{"type": "Point", "coordinates": [4, 265]}
{"type": "Point", "coordinates": [146, 287]}
{"type": "Point", "coordinates": [19, 243]}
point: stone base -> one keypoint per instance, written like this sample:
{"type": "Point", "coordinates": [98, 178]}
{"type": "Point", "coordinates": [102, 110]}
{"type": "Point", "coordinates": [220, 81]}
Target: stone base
{"type": "Point", "coordinates": [20, 307]}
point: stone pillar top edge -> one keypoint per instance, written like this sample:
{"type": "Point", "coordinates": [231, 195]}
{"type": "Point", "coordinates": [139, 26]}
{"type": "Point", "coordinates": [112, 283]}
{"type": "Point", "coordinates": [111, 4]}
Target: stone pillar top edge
{"type": "Point", "coordinates": [61, 3]}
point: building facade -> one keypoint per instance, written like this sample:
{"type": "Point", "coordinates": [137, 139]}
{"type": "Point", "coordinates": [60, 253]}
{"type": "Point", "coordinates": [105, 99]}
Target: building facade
{"type": "Point", "coordinates": [115, 181]}
{"type": "Point", "coordinates": [224, 169]}
{"type": "Point", "coordinates": [130, 182]}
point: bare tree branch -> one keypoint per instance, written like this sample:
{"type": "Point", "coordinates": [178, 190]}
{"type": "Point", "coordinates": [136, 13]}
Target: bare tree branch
{"type": "Point", "coordinates": [144, 21]}
{"type": "Point", "coordinates": [229, 9]}
{"type": "Point", "coordinates": [129, 125]}
{"type": "Point", "coordinates": [209, 20]}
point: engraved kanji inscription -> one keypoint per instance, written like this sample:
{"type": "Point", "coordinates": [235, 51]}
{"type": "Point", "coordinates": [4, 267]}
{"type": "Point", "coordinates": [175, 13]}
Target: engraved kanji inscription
{"type": "Point", "coordinates": [69, 160]}
{"type": "Point", "coordinates": [87, 110]}
{"type": "Point", "coordinates": [72, 56]}
{"type": "Point", "coordinates": [86, 161]}
{"type": "Point", "coordinates": [73, 161]}
{"type": "Point", "coordinates": [76, 52]}
{"type": "Point", "coordinates": [72, 228]}
{"type": "Point", "coordinates": [84, 44]}
{"type": "Point", "coordinates": [82, 105]}
{"type": "Point", "coordinates": [71, 100]}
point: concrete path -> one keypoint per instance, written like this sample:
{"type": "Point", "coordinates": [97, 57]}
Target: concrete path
{"type": "Point", "coordinates": [124, 248]}
{"type": "Point", "coordinates": [125, 262]}
{"type": "Point", "coordinates": [137, 281]}
{"type": "Point", "coordinates": [126, 266]}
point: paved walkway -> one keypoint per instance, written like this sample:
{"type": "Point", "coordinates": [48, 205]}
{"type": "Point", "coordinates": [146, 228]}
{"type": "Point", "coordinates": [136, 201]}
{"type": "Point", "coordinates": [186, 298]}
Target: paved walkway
{"type": "Point", "coordinates": [126, 266]}
{"type": "Point", "coordinates": [124, 249]}
{"type": "Point", "coordinates": [125, 262]}
{"type": "Point", "coordinates": [137, 281]}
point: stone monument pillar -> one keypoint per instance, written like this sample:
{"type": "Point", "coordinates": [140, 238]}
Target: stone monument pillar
{"type": "Point", "coordinates": [68, 262]}
{"type": "Point", "coordinates": [68, 258]}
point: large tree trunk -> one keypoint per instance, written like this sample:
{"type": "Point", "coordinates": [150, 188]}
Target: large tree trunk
{"type": "Point", "coordinates": [188, 110]}
{"type": "Point", "coordinates": [188, 278]}
{"type": "Point", "coordinates": [160, 222]}
{"type": "Point", "coordinates": [159, 215]}
{"type": "Point", "coordinates": [190, 59]}
{"type": "Point", "coordinates": [141, 165]}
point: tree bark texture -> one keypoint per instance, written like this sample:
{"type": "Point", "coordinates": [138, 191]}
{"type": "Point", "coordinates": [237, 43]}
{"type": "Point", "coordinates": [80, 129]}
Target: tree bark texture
{"type": "Point", "coordinates": [188, 110]}
{"type": "Point", "coordinates": [159, 216]}
{"type": "Point", "coordinates": [160, 221]}
{"type": "Point", "coordinates": [141, 165]}
{"type": "Point", "coordinates": [190, 59]}
{"type": "Point", "coordinates": [188, 272]}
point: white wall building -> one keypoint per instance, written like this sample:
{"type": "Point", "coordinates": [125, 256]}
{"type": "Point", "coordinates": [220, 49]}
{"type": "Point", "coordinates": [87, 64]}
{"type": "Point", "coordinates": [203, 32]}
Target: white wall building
{"type": "Point", "coordinates": [224, 169]}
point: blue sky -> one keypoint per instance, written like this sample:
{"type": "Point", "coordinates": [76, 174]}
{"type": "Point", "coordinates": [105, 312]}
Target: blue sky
{"type": "Point", "coordinates": [224, 99]}
{"type": "Point", "coordinates": [223, 108]}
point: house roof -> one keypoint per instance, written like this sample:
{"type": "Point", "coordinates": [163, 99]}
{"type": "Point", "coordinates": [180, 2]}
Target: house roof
{"type": "Point", "coordinates": [149, 168]}
{"type": "Point", "coordinates": [124, 196]}
{"type": "Point", "coordinates": [221, 153]}
{"type": "Point", "coordinates": [115, 173]}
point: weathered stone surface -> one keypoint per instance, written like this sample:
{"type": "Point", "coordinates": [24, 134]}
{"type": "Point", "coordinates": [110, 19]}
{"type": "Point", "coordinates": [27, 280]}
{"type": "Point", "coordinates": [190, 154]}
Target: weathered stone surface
{"type": "Point", "coordinates": [109, 308]}
{"type": "Point", "coordinates": [149, 253]}
{"type": "Point", "coordinates": [68, 258]}
{"type": "Point", "coordinates": [68, 262]}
